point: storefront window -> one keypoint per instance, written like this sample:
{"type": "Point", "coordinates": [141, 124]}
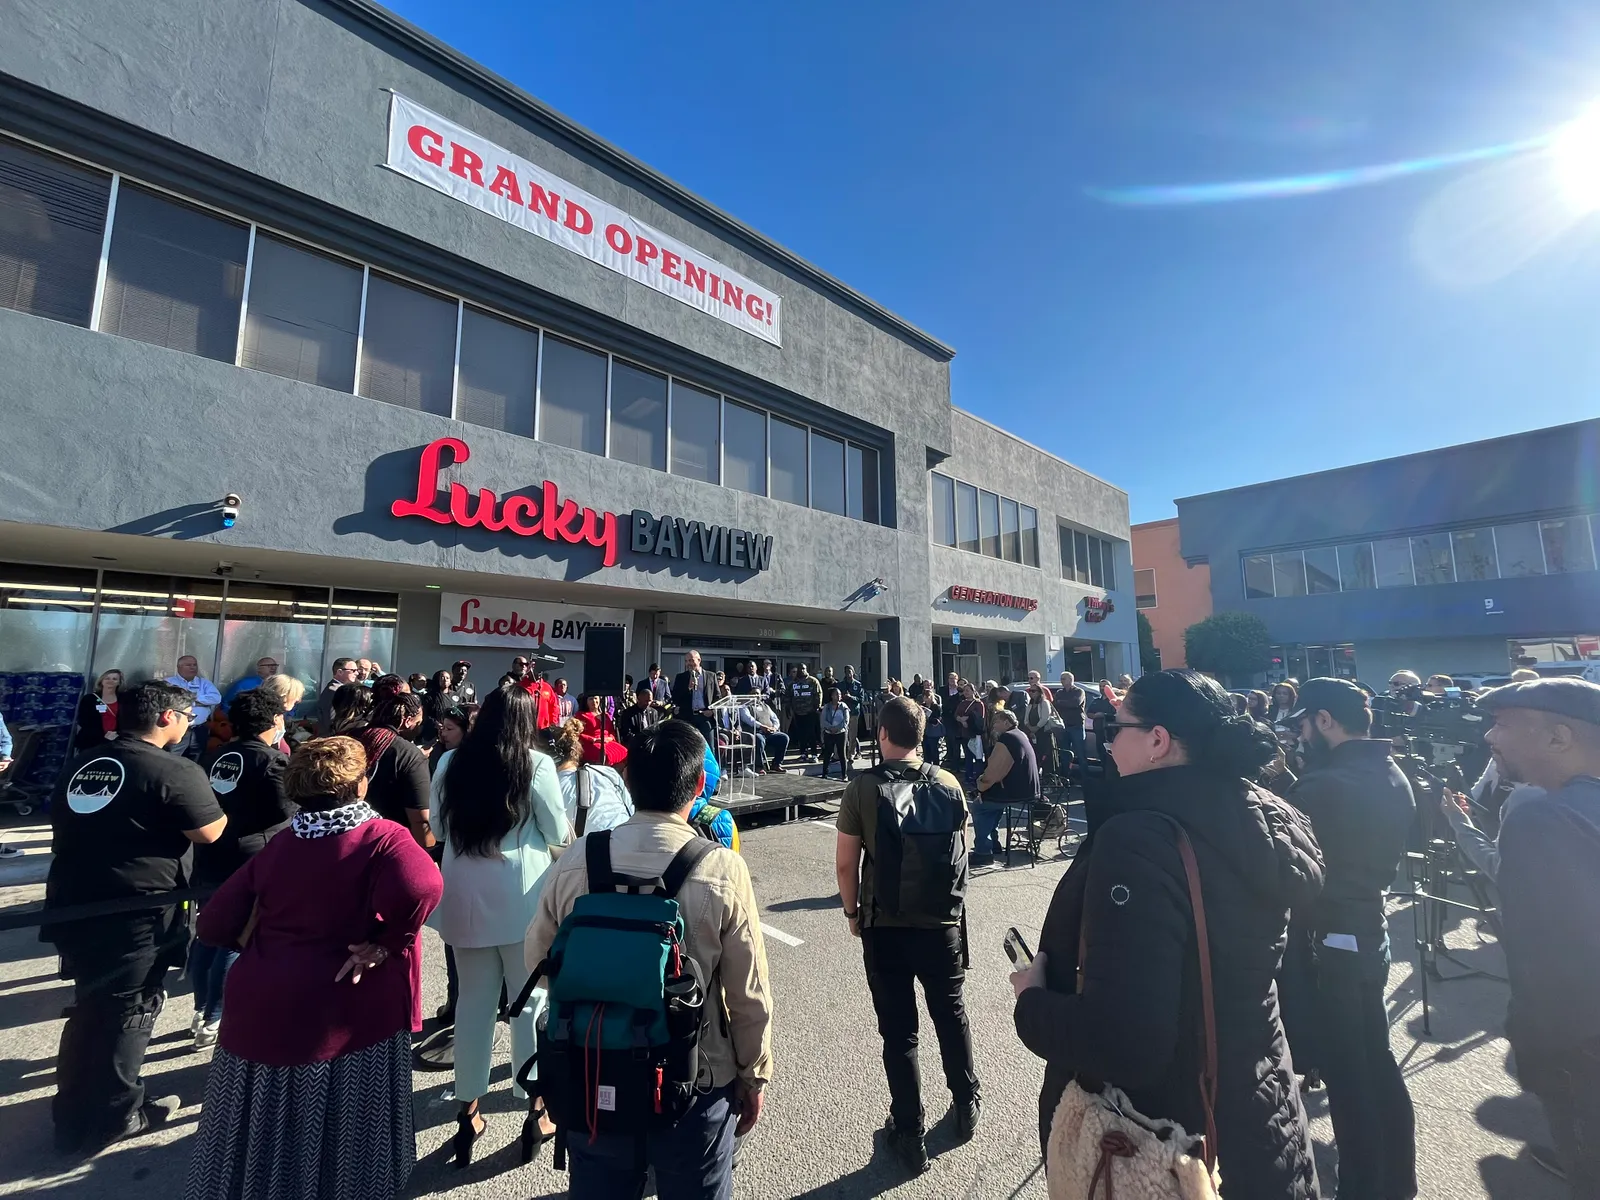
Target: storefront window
{"type": "Point", "coordinates": [638, 416]}
{"type": "Point", "coordinates": [46, 615]}
{"type": "Point", "coordinates": [1322, 570]}
{"type": "Point", "coordinates": [360, 625]}
{"type": "Point", "coordinates": [572, 396]}
{"type": "Point", "coordinates": [147, 622]}
{"type": "Point", "coordinates": [1010, 531]}
{"type": "Point", "coordinates": [696, 433]}
{"type": "Point", "coordinates": [174, 277]}
{"type": "Point", "coordinates": [1430, 555]}
{"type": "Point", "coordinates": [827, 473]}
{"type": "Point", "coordinates": [1030, 536]}
{"type": "Point", "coordinates": [1392, 562]}
{"type": "Point", "coordinates": [861, 484]}
{"type": "Point", "coordinates": [1566, 545]}
{"type": "Point", "coordinates": [989, 523]}
{"type": "Point", "coordinates": [744, 449]}
{"type": "Point", "coordinates": [967, 516]}
{"type": "Point", "coordinates": [498, 374]}
{"type": "Point", "coordinates": [789, 469]}
{"type": "Point", "coordinates": [52, 220]}
{"type": "Point", "coordinates": [1258, 577]}
{"type": "Point", "coordinates": [1521, 550]}
{"type": "Point", "coordinates": [408, 347]}
{"type": "Point", "coordinates": [1474, 551]}
{"type": "Point", "coordinates": [1356, 570]}
{"type": "Point", "coordinates": [942, 520]}
{"type": "Point", "coordinates": [283, 623]}
{"type": "Point", "coordinates": [303, 315]}
{"type": "Point", "coordinates": [1289, 574]}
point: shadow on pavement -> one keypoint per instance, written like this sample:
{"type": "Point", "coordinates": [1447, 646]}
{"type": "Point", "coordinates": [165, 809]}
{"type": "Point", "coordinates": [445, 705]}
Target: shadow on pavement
{"type": "Point", "coordinates": [807, 904]}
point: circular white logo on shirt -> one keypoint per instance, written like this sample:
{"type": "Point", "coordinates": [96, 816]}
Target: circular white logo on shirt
{"type": "Point", "coordinates": [1120, 894]}
{"type": "Point", "coordinates": [225, 772]}
{"type": "Point", "coordinates": [95, 785]}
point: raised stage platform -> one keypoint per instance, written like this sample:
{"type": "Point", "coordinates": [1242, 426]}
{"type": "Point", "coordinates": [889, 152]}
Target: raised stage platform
{"type": "Point", "coordinates": [789, 792]}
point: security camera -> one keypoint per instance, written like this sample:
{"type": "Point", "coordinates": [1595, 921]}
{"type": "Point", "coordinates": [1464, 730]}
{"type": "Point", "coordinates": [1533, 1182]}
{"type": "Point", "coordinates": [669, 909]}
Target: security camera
{"type": "Point", "coordinates": [230, 509]}
{"type": "Point", "coordinates": [224, 568]}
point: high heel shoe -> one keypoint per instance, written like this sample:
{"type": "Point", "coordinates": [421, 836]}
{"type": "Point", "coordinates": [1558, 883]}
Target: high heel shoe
{"type": "Point", "coordinates": [532, 1136]}
{"type": "Point", "coordinates": [468, 1131]}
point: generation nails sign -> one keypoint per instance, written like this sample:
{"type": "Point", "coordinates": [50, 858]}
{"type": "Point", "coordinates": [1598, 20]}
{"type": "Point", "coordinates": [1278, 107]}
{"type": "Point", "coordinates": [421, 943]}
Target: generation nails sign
{"type": "Point", "coordinates": [547, 515]}
{"type": "Point", "coordinates": [442, 155]}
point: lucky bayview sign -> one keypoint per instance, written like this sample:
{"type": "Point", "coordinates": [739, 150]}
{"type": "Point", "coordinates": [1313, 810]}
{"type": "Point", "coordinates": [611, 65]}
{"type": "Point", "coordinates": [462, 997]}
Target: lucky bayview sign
{"type": "Point", "coordinates": [473, 620]}
{"type": "Point", "coordinates": [552, 518]}
{"type": "Point", "coordinates": [440, 154]}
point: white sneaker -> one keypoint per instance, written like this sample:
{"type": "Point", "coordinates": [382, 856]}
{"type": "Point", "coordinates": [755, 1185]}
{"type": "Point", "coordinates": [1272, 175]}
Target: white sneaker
{"type": "Point", "coordinates": [748, 773]}
{"type": "Point", "coordinates": [194, 1025]}
{"type": "Point", "coordinates": [206, 1035]}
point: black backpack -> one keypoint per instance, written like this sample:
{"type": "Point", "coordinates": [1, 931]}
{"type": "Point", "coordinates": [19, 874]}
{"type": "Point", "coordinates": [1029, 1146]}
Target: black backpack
{"type": "Point", "coordinates": [919, 865]}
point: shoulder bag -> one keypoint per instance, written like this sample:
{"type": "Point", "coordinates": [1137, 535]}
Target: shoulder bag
{"type": "Point", "coordinates": [1101, 1146]}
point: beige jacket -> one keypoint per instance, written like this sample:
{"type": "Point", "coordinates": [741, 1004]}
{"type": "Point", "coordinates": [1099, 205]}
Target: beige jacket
{"type": "Point", "coordinates": [722, 928]}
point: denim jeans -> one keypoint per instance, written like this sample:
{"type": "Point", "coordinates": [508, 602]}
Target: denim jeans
{"type": "Point", "coordinates": [208, 972]}
{"type": "Point", "coordinates": [770, 749]}
{"type": "Point", "coordinates": [986, 818]}
{"type": "Point", "coordinates": [692, 1161]}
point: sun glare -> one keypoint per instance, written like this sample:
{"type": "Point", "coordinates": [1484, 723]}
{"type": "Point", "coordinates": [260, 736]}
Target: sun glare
{"type": "Point", "coordinates": [1575, 155]}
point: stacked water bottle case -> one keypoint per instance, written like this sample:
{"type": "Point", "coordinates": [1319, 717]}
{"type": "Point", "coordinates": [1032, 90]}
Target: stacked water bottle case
{"type": "Point", "coordinates": [46, 701]}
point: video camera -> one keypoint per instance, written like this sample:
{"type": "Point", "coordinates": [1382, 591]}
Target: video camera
{"type": "Point", "coordinates": [1439, 746]}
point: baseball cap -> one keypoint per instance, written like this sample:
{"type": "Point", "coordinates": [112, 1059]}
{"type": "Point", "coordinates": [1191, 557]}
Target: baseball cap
{"type": "Point", "coordinates": [1577, 699]}
{"type": "Point", "coordinates": [461, 662]}
{"type": "Point", "coordinates": [1339, 698]}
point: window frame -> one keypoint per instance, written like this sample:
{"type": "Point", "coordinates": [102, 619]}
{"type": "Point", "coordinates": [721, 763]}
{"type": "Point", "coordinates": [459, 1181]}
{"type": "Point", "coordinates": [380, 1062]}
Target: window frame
{"type": "Point", "coordinates": [1140, 596]}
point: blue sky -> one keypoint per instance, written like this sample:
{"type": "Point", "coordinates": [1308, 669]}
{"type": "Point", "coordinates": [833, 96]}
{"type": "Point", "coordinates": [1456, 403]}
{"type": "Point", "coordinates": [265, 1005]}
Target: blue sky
{"type": "Point", "coordinates": [939, 157]}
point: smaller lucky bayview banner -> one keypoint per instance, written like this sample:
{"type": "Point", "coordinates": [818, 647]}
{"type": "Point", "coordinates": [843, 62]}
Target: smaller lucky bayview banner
{"type": "Point", "coordinates": [442, 155]}
{"type": "Point", "coordinates": [467, 619]}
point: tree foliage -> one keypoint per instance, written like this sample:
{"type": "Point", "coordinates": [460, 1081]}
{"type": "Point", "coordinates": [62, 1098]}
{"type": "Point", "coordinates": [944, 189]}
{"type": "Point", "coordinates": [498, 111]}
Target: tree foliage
{"type": "Point", "coordinates": [1149, 660]}
{"type": "Point", "coordinates": [1233, 646]}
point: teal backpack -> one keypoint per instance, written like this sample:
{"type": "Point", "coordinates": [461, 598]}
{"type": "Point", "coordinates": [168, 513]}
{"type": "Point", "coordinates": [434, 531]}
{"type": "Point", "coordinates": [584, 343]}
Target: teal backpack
{"type": "Point", "coordinates": [619, 1052]}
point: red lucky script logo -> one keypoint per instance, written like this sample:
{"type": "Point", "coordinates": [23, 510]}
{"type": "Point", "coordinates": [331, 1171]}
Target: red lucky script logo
{"type": "Point", "coordinates": [548, 516]}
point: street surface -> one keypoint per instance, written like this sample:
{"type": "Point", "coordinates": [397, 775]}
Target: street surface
{"type": "Point", "coordinates": [817, 1139]}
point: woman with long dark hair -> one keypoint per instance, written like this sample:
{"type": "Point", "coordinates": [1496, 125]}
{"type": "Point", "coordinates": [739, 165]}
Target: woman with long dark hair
{"type": "Point", "coordinates": [1122, 1004]}
{"type": "Point", "coordinates": [501, 815]}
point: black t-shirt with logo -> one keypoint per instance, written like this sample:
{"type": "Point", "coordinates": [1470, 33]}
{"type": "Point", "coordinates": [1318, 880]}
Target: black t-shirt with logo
{"type": "Point", "coordinates": [119, 819]}
{"type": "Point", "coordinates": [246, 777]}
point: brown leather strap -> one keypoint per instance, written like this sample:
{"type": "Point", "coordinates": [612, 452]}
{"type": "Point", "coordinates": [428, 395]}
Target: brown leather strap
{"type": "Point", "coordinates": [1208, 1073]}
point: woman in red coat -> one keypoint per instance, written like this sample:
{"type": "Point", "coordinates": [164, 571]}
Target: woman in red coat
{"type": "Point", "coordinates": [310, 1089]}
{"type": "Point", "coordinates": [594, 719]}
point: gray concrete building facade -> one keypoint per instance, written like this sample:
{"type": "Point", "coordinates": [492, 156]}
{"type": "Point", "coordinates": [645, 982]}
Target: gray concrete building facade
{"type": "Point", "coordinates": [459, 417]}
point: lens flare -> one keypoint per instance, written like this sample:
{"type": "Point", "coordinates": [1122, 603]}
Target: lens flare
{"type": "Point", "coordinates": [1575, 157]}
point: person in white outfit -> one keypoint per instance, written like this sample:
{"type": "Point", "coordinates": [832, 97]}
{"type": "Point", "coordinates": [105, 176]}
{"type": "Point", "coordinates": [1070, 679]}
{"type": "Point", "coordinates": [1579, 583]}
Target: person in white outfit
{"type": "Point", "coordinates": [501, 818]}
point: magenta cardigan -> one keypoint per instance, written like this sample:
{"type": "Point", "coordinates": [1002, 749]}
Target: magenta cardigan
{"type": "Point", "coordinates": [316, 897]}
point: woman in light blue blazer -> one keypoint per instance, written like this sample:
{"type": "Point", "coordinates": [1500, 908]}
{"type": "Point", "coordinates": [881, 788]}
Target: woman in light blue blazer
{"type": "Point", "coordinates": [501, 815]}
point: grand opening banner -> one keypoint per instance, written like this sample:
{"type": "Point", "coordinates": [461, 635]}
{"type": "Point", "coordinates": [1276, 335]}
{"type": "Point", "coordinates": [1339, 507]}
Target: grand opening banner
{"type": "Point", "coordinates": [442, 155]}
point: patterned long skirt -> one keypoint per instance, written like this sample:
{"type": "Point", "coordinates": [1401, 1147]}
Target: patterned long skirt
{"type": "Point", "coordinates": [336, 1130]}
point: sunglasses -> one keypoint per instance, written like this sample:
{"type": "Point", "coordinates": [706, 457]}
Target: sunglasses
{"type": "Point", "coordinates": [1115, 727]}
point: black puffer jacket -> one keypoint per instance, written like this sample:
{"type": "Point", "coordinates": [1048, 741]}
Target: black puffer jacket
{"type": "Point", "coordinates": [1137, 1022]}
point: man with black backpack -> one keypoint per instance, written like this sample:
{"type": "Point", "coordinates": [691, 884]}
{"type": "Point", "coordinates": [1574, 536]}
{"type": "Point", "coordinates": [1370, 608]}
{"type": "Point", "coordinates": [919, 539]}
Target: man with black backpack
{"type": "Point", "coordinates": [658, 1042]}
{"type": "Point", "coordinates": [901, 861]}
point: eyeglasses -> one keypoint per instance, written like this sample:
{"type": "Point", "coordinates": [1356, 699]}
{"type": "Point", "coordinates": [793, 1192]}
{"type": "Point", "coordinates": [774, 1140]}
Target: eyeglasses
{"type": "Point", "coordinates": [184, 712]}
{"type": "Point", "coordinates": [1115, 727]}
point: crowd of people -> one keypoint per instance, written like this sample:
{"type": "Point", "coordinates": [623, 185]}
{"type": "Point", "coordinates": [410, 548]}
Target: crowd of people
{"type": "Point", "coordinates": [1237, 857]}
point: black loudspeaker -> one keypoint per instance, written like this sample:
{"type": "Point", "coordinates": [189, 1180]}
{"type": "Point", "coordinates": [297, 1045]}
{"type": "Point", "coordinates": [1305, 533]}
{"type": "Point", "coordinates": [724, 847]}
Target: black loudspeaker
{"type": "Point", "coordinates": [873, 656]}
{"type": "Point", "coordinates": [602, 660]}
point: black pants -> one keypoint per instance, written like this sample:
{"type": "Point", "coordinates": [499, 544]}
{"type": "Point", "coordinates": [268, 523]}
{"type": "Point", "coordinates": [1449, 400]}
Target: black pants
{"type": "Point", "coordinates": [98, 1085]}
{"type": "Point", "coordinates": [1568, 1085]}
{"type": "Point", "coordinates": [896, 959]}
{"type": "Point", "coordinates": [1374, 1125]}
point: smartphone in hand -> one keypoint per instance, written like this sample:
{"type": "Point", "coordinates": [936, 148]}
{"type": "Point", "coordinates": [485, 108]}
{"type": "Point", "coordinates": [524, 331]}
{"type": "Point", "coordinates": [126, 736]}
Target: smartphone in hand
{"type": "Point", "coordinates": [1017, 949]}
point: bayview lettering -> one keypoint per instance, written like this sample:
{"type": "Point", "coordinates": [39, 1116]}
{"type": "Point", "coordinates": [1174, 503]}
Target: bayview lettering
{"type": "Point", "coordinates": [717, 545]}
{"type": "Point", "coordinates": [95, 785]}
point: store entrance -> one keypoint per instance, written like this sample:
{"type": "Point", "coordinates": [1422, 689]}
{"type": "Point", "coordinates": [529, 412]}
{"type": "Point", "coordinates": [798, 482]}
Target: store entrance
{"type": "Point", "coordinates": [723, 654]}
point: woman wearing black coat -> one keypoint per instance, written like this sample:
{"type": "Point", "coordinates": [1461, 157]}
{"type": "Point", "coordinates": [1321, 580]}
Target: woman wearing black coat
{"type": "Point", "coordinates": [1183, 752]}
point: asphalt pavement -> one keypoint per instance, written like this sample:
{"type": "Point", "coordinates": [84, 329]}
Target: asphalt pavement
{"type": "Point", "coordinates": [818, 1138]}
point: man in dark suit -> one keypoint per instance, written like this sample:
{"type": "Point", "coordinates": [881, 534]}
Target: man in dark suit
{"type": "Point", "coordinates": [693, 691]}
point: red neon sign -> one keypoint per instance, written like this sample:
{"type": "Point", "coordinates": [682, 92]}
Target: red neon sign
{"type": "Point", "coordinates": [998, 599]}
{"type": "Point", "coordinates": [546, 516]}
